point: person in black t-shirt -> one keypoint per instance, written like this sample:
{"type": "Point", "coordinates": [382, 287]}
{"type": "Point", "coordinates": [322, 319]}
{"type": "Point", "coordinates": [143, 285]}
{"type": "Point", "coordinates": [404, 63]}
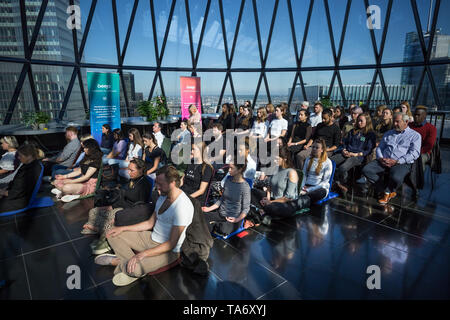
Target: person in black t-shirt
{"type": "Point", "coordinates": [197, 175]}
{"type": "Point", "coordinates": [301, 133]}
{"type": "Point", "coordinates": [328, 131]}
{"type": "Point", "coordinates": [217, 156]}
{"type": "Point", "coordinates": [82, 180]}
{"type": "Point", "coordinates": [152, 155]}
{"type": "Point", "coordinates": [137, 190]}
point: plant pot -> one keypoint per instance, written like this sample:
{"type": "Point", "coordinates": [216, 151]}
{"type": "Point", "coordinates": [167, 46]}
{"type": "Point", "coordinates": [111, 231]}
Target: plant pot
{"type": "Point", "coordinates": [42, 126]}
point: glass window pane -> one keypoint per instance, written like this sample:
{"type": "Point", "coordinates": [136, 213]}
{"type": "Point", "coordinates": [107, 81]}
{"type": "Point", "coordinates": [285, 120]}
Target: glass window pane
{"type": "Point", "coordinates": [212, 52]}
{"type": "Point", "coordinates": [9, 75]}
{"type": "Point", "coordinates": [281, 53]}
{"type": "Point", "coordinates": [401, 85]}
{"type": "Point", "coordinates": [318, 46]}
{"type": "Point", "coordinates": [11, 44]}
{"type": "Point", "coordinates": [177, 52]}
{"type": "Point", "coordinates": [211, 84]}
{"type": "Point", "coordinates": [101, 42]}
{"type": "Point", "coordinates": [441, 76]}
{"type": "Point", "coordinates": [280, 85]}
{"type": "Point", "coordinates": [356, 85]}
{"type": "Point", "coordinates": [245, 85]}
{"type": "Point", "coordinates": [246, 54]}
{"type": "Point", "coordinates": [141, 48]}
{"type": "Point", "coordinates": [54, 41]}
{"type": "Point", "coordinates": [357, 48]}
{"type": "Point", "coordinates": [402, 40]}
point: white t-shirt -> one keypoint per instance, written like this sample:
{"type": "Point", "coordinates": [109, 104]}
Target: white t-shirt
{"type": "Point", "coordinates": [260, 128]}
{"type": "Point", "coordinates": [134, 151]}
{"type": "Point", "coordinates": [315, 119]}
{"type": "Point", "coordinates": [159, 138]}
{"type": "Point", "coordinates": [180, 213]}
{"type": "Point", "coordinates": [277, 126]}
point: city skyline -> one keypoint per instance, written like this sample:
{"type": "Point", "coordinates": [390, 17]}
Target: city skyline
{"type": "Point", "coordinates": [257, 57]}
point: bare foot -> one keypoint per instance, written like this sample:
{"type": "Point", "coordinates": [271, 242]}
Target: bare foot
{"type": "Point", "coordinates": [90, 227]}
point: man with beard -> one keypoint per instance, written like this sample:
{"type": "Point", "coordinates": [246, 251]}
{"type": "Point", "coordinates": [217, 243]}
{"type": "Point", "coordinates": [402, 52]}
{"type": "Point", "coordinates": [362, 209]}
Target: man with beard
{"type": "Point", "coordinates": [160, 246]}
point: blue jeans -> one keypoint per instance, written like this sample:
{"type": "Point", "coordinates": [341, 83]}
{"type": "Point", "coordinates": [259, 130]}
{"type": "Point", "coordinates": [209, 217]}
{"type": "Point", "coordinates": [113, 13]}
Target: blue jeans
{"type": "Point", "coordinates": [105, 150]}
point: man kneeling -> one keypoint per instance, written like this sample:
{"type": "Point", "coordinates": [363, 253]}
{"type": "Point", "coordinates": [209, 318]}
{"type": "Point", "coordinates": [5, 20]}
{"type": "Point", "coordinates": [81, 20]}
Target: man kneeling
{"type": "Point", "coordinates": [159, 247]}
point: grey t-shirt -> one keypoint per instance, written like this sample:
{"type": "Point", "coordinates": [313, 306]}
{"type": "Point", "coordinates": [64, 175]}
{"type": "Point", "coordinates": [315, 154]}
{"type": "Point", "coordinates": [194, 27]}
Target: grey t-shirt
{"type": "Point", "coordinates": [235, 199]}
{"type": "Point", "coordinates": [69, 153]}
{"type": "Point", "coordinates": [281, 186]}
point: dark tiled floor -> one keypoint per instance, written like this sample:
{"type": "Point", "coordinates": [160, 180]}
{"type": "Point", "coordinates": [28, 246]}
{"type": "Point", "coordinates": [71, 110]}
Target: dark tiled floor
{"type": "Point", "coordinates": [323, 254]}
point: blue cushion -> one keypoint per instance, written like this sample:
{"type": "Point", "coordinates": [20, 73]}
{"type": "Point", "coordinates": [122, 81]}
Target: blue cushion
{"type": "Point", "coordinates": [331, 195]}
{"type": "Point", "coordinates": [239, 230]}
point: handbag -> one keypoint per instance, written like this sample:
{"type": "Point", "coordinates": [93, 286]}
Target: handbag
{"type": "Point", "coordinates": [110, 174]}
{"type": "Point", "coordinates": [104, 198]}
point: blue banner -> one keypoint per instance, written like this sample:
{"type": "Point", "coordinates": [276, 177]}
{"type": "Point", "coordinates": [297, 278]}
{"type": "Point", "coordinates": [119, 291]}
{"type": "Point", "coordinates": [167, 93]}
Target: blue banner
{"type": "Point", "coordinates": [104, 101]}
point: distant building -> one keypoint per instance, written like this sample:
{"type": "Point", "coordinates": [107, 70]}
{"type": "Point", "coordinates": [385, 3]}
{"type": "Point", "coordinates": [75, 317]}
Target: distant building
{"type": "Point", "coordinates": [54, 42]}
{"type": "Point", "coordinates": [441, 73]}
{"type": "Point", "coordinates": [354, 93]}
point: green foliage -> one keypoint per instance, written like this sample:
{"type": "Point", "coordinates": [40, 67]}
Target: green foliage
{"type": "Point", "coordinates": [42, 117]}
{"type": "Point", "coordinates": [326, 102]}
{"type": "Point", "coordinates": [154, 108]}
{"type": "Point", "coordinates": [29, 119]}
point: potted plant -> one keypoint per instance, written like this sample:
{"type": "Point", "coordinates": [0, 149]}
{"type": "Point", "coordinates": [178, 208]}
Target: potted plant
{"type": "Point", "coordinates": [42, 119]}
{"type": "Point", "coordinates": [29, 119]}
{"type": "Point", "coordinates": [144, 109]}
{"type": "Point", "coordinates": [161, 107]}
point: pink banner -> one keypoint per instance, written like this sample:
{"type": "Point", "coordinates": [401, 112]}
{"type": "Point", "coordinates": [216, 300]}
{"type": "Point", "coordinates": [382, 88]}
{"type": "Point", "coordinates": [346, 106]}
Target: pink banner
{"type": "Point", "coordinates": [190, 94]}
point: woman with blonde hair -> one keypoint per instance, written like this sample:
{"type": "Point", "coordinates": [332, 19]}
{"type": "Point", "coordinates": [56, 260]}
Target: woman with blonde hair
{"type": "Point", "coordinates": [8, 161]}
{"type": "Point", "coordinates": [317, 172]}
{"type": "Point", "coordinates": [406, 109]}
{"type": "Point", "coordinates": [195, 118]}
{"type": "Point", "coordinates": [19, 191]}
{"type": "Point", "coordinates": [385, 124]}
{"type": "Point", "coordinates": [358, 144]}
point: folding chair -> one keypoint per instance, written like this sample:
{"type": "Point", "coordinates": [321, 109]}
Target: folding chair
{"type": "Point", "coordinates": [35, 202]}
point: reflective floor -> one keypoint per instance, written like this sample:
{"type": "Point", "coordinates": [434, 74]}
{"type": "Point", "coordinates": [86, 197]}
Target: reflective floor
{"type": "Point", "coordinates": [323, 254]}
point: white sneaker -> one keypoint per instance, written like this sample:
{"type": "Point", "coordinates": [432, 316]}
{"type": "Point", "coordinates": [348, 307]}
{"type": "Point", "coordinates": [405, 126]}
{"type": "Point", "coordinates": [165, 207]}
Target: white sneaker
{"type": "Point", "coordinates": [122, 279]}
{"type": "Point", "coordinates": [70, 197]}
{"type": "Point", "coordinates": [56, 191]}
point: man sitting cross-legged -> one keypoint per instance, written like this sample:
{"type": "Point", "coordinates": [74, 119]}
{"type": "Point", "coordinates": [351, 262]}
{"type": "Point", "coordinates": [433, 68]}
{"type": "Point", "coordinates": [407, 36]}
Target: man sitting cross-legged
{"type": "Point", "coordinates": [158, 240]}
{"type": "Point", "coordinates": [396, 153]}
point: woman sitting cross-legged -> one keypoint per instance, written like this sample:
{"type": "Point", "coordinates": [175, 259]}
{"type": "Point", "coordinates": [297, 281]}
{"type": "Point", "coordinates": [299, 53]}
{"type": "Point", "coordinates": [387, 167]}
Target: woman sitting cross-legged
{"type": "Point", "coordinates": [83, 180]}
{"type": "Point", "coordinates": [134, 151]}
{"type": "Point", "coordinates": [279, 200]}
{"type": "Point", "coordinates": [154, 156]}
{"type": "Point", "coordinates": [316, 175]}
{"type": "Point", "coordinates": [125, 206]}
{"type": "Point", "coordinates": [358, 144]}
{"type": "Point", "coordinates": [197, 175]}
{"type": "Point", "coordinates": [19, 191]}
{"type": "Point", "coordinates": [225, 215]}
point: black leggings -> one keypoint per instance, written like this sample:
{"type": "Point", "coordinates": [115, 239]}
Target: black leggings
{"type": "Point", "coordinates": [287, 209]}
{"type": "Point", "coordinates": [220, 224]}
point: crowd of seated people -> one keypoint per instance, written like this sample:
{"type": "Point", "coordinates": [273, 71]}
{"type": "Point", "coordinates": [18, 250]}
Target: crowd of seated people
{"type": "Point", "coordinates": [142, 223]}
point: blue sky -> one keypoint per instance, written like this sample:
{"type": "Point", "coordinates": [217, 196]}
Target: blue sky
{"type": "Point", "coordinates": [357, 48]}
